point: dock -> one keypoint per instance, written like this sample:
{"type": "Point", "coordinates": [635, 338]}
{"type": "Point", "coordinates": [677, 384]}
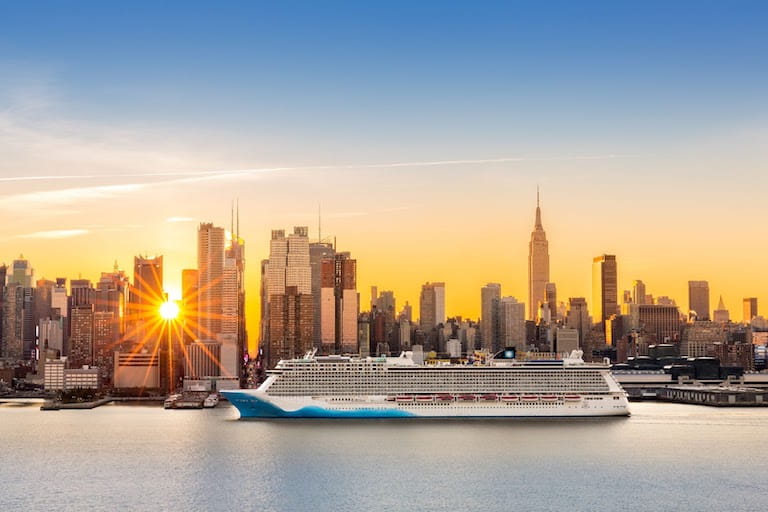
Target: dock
{"type": "Point", "coordinates": [715, 396]}
{"type": "Point", "coordinates": [57, 405]}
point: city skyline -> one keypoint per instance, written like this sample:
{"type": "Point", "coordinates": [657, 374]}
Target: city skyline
{"type": "Point", "coordinates": [421, 147]}
{"type": "Point", "coordinates": [472, 304]}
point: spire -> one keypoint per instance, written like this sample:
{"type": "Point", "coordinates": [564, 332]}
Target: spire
{"type": "Point", "coordinates": [238, 220]}
{"type": "Point", "coordinates": [721, 305]}
{"type": "Point", "coordinates": [538, 211]}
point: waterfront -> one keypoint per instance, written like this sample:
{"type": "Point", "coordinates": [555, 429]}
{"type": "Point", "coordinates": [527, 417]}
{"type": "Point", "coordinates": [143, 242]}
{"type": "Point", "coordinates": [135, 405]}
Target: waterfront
{"type": "Point", "coordinates": [136, 457]}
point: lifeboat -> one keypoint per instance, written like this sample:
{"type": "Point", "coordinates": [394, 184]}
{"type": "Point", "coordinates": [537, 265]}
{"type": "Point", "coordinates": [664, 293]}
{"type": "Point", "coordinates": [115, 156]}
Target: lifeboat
{"type": "Point", "coordinates": [425, 398]}
{"type": "Point", "coordinates": [572, 398]}
{"type": "Point", "coordinates": [444, 398]}
{"type": "Point", "coordinates": [489, 397]}
{"type": "Point", "coordinates": [404, 399]}
{"type": "Point", "coordinates": [510, 398]}
{"type": "Point", "coordinates": [548, 398]}
{"type": "Point", "coordinates": [530, 398]}
{"type": "Point", "coordinates": [467, 398]}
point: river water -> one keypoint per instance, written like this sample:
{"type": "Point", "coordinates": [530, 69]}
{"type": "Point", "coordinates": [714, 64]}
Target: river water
{"type": "Point", "coordinates": [135, 457]}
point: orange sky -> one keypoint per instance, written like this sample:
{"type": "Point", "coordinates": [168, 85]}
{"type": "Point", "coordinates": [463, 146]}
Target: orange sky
{"type": "Point", "coordinates": [469, 227]}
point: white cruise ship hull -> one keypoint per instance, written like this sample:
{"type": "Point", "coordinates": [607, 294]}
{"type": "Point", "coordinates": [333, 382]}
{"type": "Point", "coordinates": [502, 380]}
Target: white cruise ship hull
{"type": "Point", "coordinates": [258, 404]}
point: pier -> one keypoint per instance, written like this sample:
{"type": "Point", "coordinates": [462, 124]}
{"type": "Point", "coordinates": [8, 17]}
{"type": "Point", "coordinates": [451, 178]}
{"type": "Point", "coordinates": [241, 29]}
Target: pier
{"type": "Point", "coordinates": [716, 396]}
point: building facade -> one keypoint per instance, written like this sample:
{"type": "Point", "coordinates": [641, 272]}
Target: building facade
{"type": "Point", "coordinates": [698, 299]}
{"type": "Point", "coordinates": [432, 305]}
{"type": "Point", "coordinates": [538, 265]}
{"type": "Point", "coordinates": [490, 298]}
{"type": "Point", "coordinates": [604, 288]}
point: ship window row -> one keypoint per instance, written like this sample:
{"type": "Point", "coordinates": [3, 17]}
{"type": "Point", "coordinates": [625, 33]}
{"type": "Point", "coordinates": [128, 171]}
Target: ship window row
{"type": "Point", "coordinates": [374, 390]}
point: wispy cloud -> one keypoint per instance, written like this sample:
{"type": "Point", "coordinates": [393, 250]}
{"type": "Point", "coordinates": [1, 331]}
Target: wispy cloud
{"type": "Point", "coordinates": [58, 233]}
{"type": "Point", "coordinates": [48, 199]}
{"type": "Point", "coordinates": [234, 174]}
{"type": "Point", "coordinates": [51, 201]}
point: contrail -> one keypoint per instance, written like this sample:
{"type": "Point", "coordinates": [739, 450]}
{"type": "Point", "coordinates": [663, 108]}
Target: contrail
{"type": "Point", "coordinates": [196, 175]}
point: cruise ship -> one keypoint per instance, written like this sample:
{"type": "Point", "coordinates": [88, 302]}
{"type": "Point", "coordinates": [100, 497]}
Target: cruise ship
{"type": "Point", "coordinates": [398, 387]}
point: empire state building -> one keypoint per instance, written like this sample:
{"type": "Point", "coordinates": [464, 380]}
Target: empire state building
{"type": "Point", "coordinates": [538, 265]}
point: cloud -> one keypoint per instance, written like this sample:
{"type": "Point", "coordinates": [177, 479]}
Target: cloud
{"type": "Point", "coordinates": [180, 219]}
{"type": "Point", "coordinates": [69, 196]}
{"type": "Point", "coordinates": [223, 174]}
{"type": "Point", "coordinates": [59, 233]}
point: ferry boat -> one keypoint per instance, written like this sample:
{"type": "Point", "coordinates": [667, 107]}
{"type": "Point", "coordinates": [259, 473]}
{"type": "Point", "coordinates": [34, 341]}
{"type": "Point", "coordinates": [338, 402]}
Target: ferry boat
{"type": "Point", "coordinates": [397, 387]}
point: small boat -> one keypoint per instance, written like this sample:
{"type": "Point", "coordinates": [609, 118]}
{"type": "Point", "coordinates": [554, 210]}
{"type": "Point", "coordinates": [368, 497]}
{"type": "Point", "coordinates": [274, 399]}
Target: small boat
{"type": "Point", "coordinates": [467, 398]}
{"type": "Point", "coordinates": [548, 398]}
{"type": "Point", "coordinates": [489, 397]}
{"type": "Point", "coordinates": [425, 398]}
{"type": "Point", "coordinates": [211, 400]}
{"type": "Point", "coordinates": [572, 398]}
{"type": "Point", "coordinates": [390, 399]}
{"type": "Point", "coordinates": [445, 398]}
{"type": "Point", "coordinates": [510, 398]}
{"type": "Point", "coordinates": [170, 402]}
{"type": "Point", "coordinates": [530, 398]}
{"type": "Point", "coordinates": [404, 399]}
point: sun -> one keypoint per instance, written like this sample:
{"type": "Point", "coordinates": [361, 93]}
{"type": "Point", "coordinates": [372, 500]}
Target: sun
{"type": "Point", "coordinates": [169, 310]}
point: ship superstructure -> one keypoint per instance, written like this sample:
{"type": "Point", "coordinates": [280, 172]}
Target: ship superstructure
{"type": "Point", "coordinates": [394, 387]}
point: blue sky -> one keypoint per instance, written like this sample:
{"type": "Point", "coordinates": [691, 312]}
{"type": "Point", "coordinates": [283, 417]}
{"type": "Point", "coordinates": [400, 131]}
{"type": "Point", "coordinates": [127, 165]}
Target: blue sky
{"type": "Point", "coordinates": [530, 75]}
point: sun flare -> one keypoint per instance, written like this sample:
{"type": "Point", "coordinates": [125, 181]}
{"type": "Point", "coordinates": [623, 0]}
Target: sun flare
{"type": "Point", "coordinates": [169, 310]}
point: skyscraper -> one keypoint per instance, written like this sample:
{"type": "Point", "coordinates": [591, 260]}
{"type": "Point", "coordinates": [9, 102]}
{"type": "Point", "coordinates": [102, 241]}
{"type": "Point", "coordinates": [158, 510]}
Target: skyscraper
{"type": "Point", "coordinates": [604, 288]}
{"type": "Point", "coordinates": [386, 303]}
{"type": "Point", "coordinates": [490, 295]}
{"type": "Point", "coordinates": [662, 322]}
{"type": "Point", "coordinates": [146, 295]}
{"type": "Point", "coordinates": [105, 340]}
{"type": "Point", "coordinates": [19, 308]}
{"type": "Point", "coordinates": [111, 296]}
{"type": "Point", "coordinates": [339, 304]}
{"type": "Point", "coordinates": [638, 292]}
{"type": "Point", "coordinates": [318, 251]}
{"type": "Point", "coordinates": [511, 324]}
{"type": "Point", "coordinates": [750, 309]}
{"type": "Point", "coordinates": [432, 305]}
{"type": "Point", "coordinates": [12, 346]}
{"type": "Point", "coordinates": [80, 292]}
{"type": "Point", "coordinates": [210, 268]}
{"type": "Point", "coordinates": [577, 316]}
{"type": "Point", "coordinates": [288, 288]}
{"type": "Point", "coordinates": [233, 322]}
{"type": "Point", "coordinates": [81, 337]}
{"type": "Point", "coordinates": [290, 325]}
{"type": "Point", "coordinates": [698, 299]}
{"type": "Point", "coordinates": [21, 273]}
{"type": "Point", "coordinates": [60, 305]}
{"type": "Point", "coordinates": [538, 265]}
{"type": "Point", "coordinates": [550, 297]}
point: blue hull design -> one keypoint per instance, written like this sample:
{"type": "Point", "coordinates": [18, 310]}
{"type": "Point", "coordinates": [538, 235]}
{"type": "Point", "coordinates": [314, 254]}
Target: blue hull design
{"type": "Point", "coordinates": [250, 406]}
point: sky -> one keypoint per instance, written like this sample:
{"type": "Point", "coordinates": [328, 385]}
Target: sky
{"type": "Point", "coordinates": [420, 129]}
